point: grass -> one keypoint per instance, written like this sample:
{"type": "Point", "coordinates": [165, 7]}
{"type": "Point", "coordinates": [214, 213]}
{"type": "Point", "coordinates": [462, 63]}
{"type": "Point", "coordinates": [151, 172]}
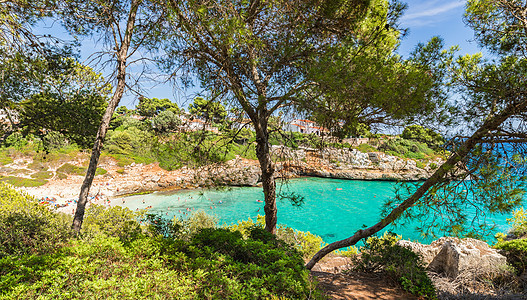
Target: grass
{"type": "Point", "coordinates": [5, 159]}
{"type": "Point", "coordinates": [75, 170]}
{"type": "Point", "coordinates": [23, 182]}
{"type": "Point", "coordinates": [42, 175]}
{"type": "Point", "coordinates": [61, 175]}
{"type": "Point", "coordinates": [365, 148]}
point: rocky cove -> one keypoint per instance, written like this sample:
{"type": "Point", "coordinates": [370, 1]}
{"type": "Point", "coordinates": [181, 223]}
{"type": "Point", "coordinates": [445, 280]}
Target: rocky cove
{"type": "Point", "coordinates": [138, 178]}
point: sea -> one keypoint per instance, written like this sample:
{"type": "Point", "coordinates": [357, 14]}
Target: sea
{"type": "Point", "coordinates": [333, 209]}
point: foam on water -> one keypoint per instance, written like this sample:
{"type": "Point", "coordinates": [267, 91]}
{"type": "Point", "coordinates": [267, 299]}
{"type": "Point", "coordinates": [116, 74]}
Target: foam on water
{"type": "Point", "coordinates": [333, 209]}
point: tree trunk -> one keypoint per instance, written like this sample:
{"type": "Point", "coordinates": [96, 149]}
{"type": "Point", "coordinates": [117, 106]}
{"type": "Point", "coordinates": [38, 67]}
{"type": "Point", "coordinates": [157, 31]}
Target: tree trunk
{"type": "Point", "coordinates": [490, 125]}
{"type": "Point", "coordinates": [121, 54]}
{"type": "Point", "coordinates": [268, 180]}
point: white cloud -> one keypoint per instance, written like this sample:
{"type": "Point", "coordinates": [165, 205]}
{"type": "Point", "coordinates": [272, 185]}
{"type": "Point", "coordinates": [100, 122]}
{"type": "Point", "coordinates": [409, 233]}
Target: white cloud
{"type": "Point", "coordinates": [429, 12]}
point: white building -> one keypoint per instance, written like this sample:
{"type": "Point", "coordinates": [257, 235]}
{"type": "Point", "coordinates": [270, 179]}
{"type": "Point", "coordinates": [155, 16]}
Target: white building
{"type": "Point", "coordinates": [305, 126]}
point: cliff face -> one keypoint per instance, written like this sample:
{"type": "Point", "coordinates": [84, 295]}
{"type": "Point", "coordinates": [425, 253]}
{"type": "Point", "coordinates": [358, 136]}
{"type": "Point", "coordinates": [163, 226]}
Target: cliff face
{"type": "Point", "coordinates": [352, 164]}
{"type": "Point", "coordinates": [329, 163]}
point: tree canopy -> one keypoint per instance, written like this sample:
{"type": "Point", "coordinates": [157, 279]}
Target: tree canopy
{"type": "Point", "coordinates": [72, 104]}
{"type": "Point", "coordinates": [270, 55]}
{"type": "Point", "coordinates": [485, 171]}
{"type": "Point", "coordinates": [151, 107]}
{"type": "Point", "coordinates": [210, 110]}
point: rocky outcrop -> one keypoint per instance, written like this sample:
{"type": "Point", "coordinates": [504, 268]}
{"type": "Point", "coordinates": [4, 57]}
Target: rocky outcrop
{"type": "Point", "coordinates": [349, 164]}
{"type": "Point", "coordinates": [452, 256]}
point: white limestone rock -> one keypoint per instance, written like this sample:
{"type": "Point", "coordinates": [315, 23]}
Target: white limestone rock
{"type": "Point", "coordinates": [453, 256]}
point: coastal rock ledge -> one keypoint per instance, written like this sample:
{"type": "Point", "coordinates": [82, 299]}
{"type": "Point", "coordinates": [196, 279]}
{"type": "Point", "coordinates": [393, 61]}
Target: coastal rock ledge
{"type": "Point", "coordinates": [452, 256]}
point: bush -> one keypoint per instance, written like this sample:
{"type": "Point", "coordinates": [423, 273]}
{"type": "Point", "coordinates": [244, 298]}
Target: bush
{"type": "Point", "coordinates": [262, 265]}
{"type": "Point", "coordinates": [116, 221]}
{"type": "Point", "coordinates": [80, 171]}
{"type": "Point", "coordinates": [365, 148]}
{"type": "Point", "coordinates": [305, 242]}
{"type": "Point", "coordinates": [23, 182]}
{"type": "Point", "coordinates": [406, 148]}
{"type": "Point", "coordinates": [424, 135]}
{"type": "Point", "coordinates": [516, 253]}
{"type": "Point", "coordinates": [5, 159]}
{"type": "Point", "coordinates": [166, 121]}
{"type": "Point", "coordinates": [210, 264]}
{"type": "Point", "coordinates": [518, 222]}
{"type": "Point", "coordinates": [27, 227]}
{"type": "Point", "coordinates": [42, 175]}
{"type": "Point", "coordinates": [404, 266]}
{"type": "Point", "coordinates": [16, 140]}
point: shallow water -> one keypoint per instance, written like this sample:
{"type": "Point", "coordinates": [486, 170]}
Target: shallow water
{"type": "Point", "coordinates": [333, 209]}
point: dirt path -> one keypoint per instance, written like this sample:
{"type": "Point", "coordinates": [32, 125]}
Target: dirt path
{"type": "Point", "coordinates": [353, 285]}
{"type": "Point", "coordinates": [359, 286]}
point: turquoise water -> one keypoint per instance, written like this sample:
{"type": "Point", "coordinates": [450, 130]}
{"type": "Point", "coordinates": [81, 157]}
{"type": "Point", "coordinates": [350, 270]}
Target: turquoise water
{"type": "Point", "coordinates": [333, 209]}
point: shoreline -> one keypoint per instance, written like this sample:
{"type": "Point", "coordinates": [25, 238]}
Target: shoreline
{"type": "Point", "coordinates": [136, 179]}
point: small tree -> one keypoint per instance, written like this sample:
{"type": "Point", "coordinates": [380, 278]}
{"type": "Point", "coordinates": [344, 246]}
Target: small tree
{"type": "Point", "coordinates": [166, 121]}
{"type": "Point", "coordinates": [151, 107]}
{"type": "Point", "coordinates": [423, 135]}
{"type": "Point", "coordinates": [123, 26]}
{"type": "Point", "coordinates": [71, 103]}
{"type": "Point", "coordinates": [210, 110]}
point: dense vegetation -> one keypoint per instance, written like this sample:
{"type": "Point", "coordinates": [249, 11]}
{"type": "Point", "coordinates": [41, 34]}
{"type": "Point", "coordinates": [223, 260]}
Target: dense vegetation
{"type": "Point", "coordinates": [117, 257]}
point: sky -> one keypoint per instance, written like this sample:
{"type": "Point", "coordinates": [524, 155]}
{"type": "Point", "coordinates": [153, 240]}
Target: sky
{"type": "Point", "coordinates": [444, 18]}
{"type": "Point", "coordinates": [423, 18]}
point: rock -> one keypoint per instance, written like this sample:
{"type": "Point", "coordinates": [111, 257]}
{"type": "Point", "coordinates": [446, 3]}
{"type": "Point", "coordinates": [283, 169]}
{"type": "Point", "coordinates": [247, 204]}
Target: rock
{"type": "Point", "coordinates": [453, 256]}
{"type": "Point", "coordinates": [375, 157]}
{"type": "Point", "coordinates": [427, 252]}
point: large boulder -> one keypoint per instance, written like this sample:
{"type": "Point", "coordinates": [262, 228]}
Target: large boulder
{"type": "Point", "coordinates": [452, 256]}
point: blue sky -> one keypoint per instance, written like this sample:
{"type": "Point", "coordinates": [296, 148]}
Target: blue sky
{"type": "Point", "coordinates": [427, 18]}
{"type": "Point", "coordinates": [423, 18]}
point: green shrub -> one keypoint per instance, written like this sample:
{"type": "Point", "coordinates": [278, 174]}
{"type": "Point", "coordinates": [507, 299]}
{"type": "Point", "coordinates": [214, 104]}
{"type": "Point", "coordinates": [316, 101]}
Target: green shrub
{"type": "Point", "coordinates": [349, 251]}
{"type": "Point", "coordinates": [424, 135]}
{"type": "Point", "coordinates": [75, 170]}
{"type": "Point", "coordinates": [210, 264]}
{"type": "Point", "coordinates": [404, 266]}
{"type": "Point", "coordinates": [365, 148]}
{"type": "Point", "coordinates": [263, 266]}
{"type": "Point", "coordinates": [516, 253]}
{"type": "Point", "coordinates": [100, 268]}
{"type": "Point", "coordinates": [71, 169]}
{"type": "Point", "coordinates": [16, 140]}
{"type": "Point", "coordinates": [61, 175]}
{"type": "Point", "coordinates": [406, 148]}
{"type": "Point", "coordinates": [178, 228]}
{"type": "Point", "coordinates": [42, 175]}
{"type": "Point", "coordinates": [518, 222]}
{"type": "Point", "coordinates": [199, 220]}
{"type": "Point", "coordinates": [5, 159]}
{"type": "Point", "coordinates": [115, 221]}
{"type": "Point", "coordinates": [27, 227]}
{"type": "Point", "coordinates": [305, 242]}
{"type": "Point", "coordinates": [23, 182]}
